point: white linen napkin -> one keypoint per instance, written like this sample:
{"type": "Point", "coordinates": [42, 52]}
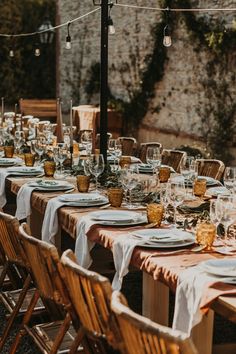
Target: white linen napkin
{"type": "Point", "coordinates": [122, 250]}
{"type": "Point", "coordinates": [83, 245]}
{"type": "Point", "coordinates": [23, 205]}
{"type": "Point", "coordinates": [50, 221]}
{"type": "Point", "coordinates": [3, 175]}
{"type": "Point", "coordinates": [190, 288]}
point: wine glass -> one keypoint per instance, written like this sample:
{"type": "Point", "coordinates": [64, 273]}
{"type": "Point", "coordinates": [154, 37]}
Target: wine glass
{"type": "Point", "coordinates": [62, 155]}
{"type": "Point", "coordinates": [19, 139]}
{"type": "Point", "coordinates": [39, 147]}
{"type": "Point", "coordinates": [96, 167]}
{"type": "Point", "coordinates": [86, 140]}
{"type": "Point", "coordinates": [130, 177]}
{"type": "Point", "coordinates": [188, 170]}
{"type": "Point", "coordinates": [177, 194]}
{"type": "Point", "coordinates": [165, 197]}
{"type": "Point", "coordinates": [229, 178]}
{"type": "Point", "coordinates": [153, 157]}
{"type": "Point", "coordinates": [226, 211]}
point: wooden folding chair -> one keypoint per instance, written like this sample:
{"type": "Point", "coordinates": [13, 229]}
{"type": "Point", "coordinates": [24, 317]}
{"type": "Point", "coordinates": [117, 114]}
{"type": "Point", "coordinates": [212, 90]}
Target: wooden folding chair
{"type": "Point", "coordinates": [210, 168]}
{"type": "Point", "coordinates": [90, 295]}
{"type": "Point", "coordinates": [97, 141]}
{"type": "Point", "coordinates": [16, 267]}
{"type": "Point", "coordinates": [143, 336]}
{"type": "Point", "coordinates": [56, 336]}
{"type": "Point", "coordinates": [43, 108]}
{"type": "Point", "coordinates": [143, 149]}
{"type": "Point", "coordinates": [173, 158]}
{"type": "Point", "coordinates": [129, 145]}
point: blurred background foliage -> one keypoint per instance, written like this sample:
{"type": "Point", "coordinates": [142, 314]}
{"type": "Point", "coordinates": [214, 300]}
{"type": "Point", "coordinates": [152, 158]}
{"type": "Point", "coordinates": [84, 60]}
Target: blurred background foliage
{"type": "Point", "coordinates": [25, 75]}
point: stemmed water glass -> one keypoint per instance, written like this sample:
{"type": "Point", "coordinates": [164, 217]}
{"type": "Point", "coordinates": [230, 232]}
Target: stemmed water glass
{"type": "Point", "coordinates": [130, 179]}
{"type": "Point", "coordinates": [226, 213]}
{"type": "Point", "coordinates": [62, 155]}
{"type": "Point", "coordinates": [96, 167]}
{"type": "Point", "coordinates": [229, 178]}
{"type": "Point", "coordinates": [177, 194]}
{"type": "Point", "coordinates": [86, 140]}
{"type": "Point", "coordinates": [39, 146]}
{"type": "Point", "coordinates": [153, 157]}
{"type": "Point", "coordinates": [19, 139]}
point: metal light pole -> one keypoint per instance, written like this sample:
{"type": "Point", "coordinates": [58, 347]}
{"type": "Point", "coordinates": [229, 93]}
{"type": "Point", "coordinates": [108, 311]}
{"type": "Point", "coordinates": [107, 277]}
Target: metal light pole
{"type": "Point", "coordinates": [104, 78]}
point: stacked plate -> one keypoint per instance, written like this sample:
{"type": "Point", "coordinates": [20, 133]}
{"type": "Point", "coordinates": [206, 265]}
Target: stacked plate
{"type": "Point", "coordinates": [225, 269]}
{"type": "Point", "coordinates": [47, 185]}
{"type": "Point", "coordinates": [146, 168]}
{"type": "Point", "coordinates": [118, 217]}
{"type": "Point", "coordinates": [84, 199]}
{"type": "Point", "coordinates": [5, 162]}
{"type": "Point", "coordinates": [25, 171]}
{"type": "Point", "coordinates": [215, 191]}
{"type": "Point", "coordinates": [163, 238]}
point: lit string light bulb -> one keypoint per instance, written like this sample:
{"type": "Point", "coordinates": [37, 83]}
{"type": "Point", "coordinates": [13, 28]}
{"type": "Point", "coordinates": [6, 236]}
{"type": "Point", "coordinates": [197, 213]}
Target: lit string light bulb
{"type": "Point", "coordinates": [166, 33]}
{"type": "Point", "coordinates": [167, 37]}
{"type": "Point", "coordinates": [11, 53]}
{"type": "Point", "coordinates": [68, 37]}
{"type": "Point", "coordinates": [111, 27]}
{"type": "Point", "coordinates": [37, 50]}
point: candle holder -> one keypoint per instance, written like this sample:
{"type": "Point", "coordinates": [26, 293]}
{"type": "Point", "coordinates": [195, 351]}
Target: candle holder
{"type": "Point", "coordinates": [164, 174]}
{"type": "Point", "coordinates": [205, 234]}
{"type": "Point", "coordinates": [125, 161]}
{"type": "Point", "coordinates": [49, 168]}
{"type": "Point", "coordinates": [29, 159]}
{"type": "Point", "coordinates": [155, 213]}
{"type": "Point", "coordinates": [83, 183]}
{"type": "Point", "coordinates": [9, 151]}
{"type": "Point", "coordinates": [199, 187]}
{"type": "Point", "coordinates": [115, 197]}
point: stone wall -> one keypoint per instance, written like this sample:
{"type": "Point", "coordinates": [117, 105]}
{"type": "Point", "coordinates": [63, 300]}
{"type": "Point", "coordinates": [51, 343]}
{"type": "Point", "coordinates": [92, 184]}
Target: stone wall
{"type": "Point", "coordinates": [180, 98]}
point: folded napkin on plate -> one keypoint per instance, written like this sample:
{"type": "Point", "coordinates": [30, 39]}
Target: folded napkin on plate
{"type": "Point", "coordinates": [23, 205]}
{"type": "Point", "coordinates": [195, 291]}
{"type": "Point", "coordinates": [193, 207]}
{"type": "Point", "coordinates": [122, 250]}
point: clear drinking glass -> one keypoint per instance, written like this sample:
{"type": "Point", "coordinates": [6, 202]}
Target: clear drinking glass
{"type": "Point", "coordinates": [229, 178]}
{"type": "Point", "coordinates": [177, 195]}
{"type": "Point", "coordinates": [129, 180]}
{"type": "Point", "coordinates": [153, 157]}
{"type": "Point", "coordinates": [62, 155]}
{"type": "Point", "coordinates": [96, 167]}
{"type": "Point", "coordinates": [86, 140]}
{"type": "Point", "coordinates": [226, 211]}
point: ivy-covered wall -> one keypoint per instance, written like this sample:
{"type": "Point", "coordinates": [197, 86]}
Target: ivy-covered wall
{"type": "Point", "coordinates": [187, 89]}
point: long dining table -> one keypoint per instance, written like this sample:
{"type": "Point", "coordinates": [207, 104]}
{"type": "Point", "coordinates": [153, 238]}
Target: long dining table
{"type": "Point", "coordinates": [160, 269]}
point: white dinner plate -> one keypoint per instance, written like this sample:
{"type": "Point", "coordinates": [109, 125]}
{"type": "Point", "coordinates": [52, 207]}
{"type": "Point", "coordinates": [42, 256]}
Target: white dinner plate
{"type": "Point", "coordinates": [51, 185]}
{"type": "Point", "coordinates": [165, 238]}
{"type": "Point", "coordinates": [118, 217]}
{"type": "Point", "coordinates": [84, 199]}
{"type": "Point", "coordinates": [10, 161]}
{"type": "Point", "coordinates": [220, 267]}
{"type": "Point", "coordinates": [24, 170]}
{"type": "Point", "coordinates": [215, 191]}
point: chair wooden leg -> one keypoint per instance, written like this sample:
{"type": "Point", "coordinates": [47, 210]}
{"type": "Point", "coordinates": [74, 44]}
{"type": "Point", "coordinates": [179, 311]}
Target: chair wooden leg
{"type": "Point", "coordinates": [60, 335]}
{"type": "Point", "coordinates": [77, 341]}
{"type": "Point", "coordinates": [15, 311]}
{"type": "Point", "coordinates": [25, 321]}
{"type": "Point", "coordinates": [4, 273]}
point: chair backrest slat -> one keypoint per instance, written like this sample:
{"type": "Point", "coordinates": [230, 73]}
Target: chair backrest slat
{"type": "Point", "coordinates": [129, 145]}
{"type": "Point", "coordinates": [89, 293]}
{"type": "Point", "coordinates": [9, 240]}
{"type": "Point", "coordinates": [210, 168]}
{"type": "Point", "coordinates": [173, 158]}
{"type": "Point", "coordinates": [45, 108]}
{"type": "Point", "coordinates": [43, 258]}
{"type": "Point", "coordinates": [143, 149]}
{"type": "Point", "coordinates": [141, 335]}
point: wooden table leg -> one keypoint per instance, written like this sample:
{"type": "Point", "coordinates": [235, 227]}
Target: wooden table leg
{"type": "Point", "coordinates": [155, 300]}
{"type": "Point", "coordinates": [202, 334]}
{"type": "Point", "coordinates": [35, 221]}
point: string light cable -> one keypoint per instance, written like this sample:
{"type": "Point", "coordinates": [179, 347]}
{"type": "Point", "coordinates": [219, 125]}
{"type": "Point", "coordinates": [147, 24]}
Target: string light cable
{"type": "Point", "coordinates": [176, 10]}
{"type": "Point", "coordinates": [29, 34]}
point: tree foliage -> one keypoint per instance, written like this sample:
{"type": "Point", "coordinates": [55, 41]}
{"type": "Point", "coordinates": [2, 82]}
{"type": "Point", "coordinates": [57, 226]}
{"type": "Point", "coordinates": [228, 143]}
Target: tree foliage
{"type": "Point", "coordinates": [26, 75]}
